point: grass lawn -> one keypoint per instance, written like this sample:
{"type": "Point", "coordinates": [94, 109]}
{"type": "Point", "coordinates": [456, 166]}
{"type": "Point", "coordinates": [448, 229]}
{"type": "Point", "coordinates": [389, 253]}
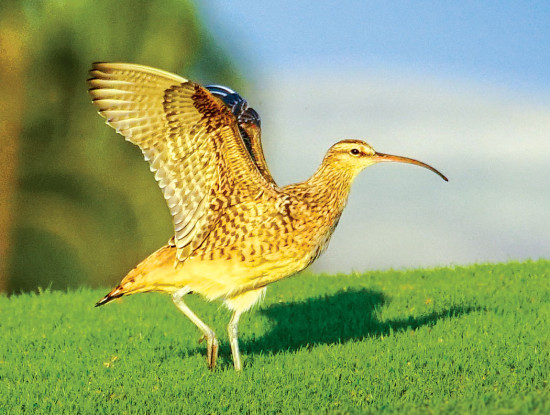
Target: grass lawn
{"type": "Point", "coordinates": [455, 340]}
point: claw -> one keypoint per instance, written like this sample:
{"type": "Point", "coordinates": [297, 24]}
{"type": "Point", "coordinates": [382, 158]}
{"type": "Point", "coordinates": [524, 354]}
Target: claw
{"type": "Point", "coordinates": [212, 352]}
{"type": "Point", "coordinates": [211, 349]}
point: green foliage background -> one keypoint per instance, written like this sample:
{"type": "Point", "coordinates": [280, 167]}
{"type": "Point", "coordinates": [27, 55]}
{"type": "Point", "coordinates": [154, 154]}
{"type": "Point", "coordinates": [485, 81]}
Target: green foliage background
{"type": "Point", "coordinates": [86, 207]}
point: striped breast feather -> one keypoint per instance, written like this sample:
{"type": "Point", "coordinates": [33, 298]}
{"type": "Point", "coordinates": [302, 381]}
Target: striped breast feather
{"type": "Point", "coordinates": [190, 139]}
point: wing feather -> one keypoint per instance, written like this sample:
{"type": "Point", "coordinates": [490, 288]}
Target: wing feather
{"type": "Point", "coordinates": [190, 139]}
{"type": "Point", "coordinates": [249, 125]}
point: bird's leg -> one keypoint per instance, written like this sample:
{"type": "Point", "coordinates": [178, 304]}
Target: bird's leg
{"type": "Point", "coordinates": [208, 333]}
{"type": "Point", "coordinates": [232, 330]}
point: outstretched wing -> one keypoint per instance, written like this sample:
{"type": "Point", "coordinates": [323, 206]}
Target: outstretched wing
{"type": "Point", "coordinates": [249, 125]}
{"type": "Point", "coordinates": [190, 139]}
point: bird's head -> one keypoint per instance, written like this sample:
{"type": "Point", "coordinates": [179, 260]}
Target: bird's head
{"type": "Point", "coordinates": [355, 155]}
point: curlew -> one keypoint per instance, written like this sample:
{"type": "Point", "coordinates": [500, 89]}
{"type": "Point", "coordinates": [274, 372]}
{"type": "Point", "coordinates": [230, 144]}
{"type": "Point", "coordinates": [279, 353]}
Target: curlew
{"type": "Point", "coordinates": [235, 230]}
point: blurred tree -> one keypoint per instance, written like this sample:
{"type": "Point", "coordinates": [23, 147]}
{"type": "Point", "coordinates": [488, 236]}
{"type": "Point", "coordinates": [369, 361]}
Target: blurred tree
{"type": "Point", "coordinates": [87, 207]}
{"type": "Point", "coordinates": [12, 68]}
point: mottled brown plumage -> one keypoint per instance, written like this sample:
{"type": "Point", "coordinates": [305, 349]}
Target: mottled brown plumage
{"type": "Point", "coordinates": [235, 230]}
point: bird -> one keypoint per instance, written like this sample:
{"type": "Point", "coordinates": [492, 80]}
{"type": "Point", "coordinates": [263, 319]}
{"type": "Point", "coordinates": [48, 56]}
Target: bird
{"type": "Point", "coordinates": [235, 230]}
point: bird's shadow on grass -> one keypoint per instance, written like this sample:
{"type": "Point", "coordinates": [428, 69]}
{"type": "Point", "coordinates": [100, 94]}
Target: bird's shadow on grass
{"type": "Point", "coordinates": [337, 318]}
{"type": "Point", "coordinates": [331, 319]}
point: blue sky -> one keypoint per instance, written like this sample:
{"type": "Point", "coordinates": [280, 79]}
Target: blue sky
{"type": "Point", "coordinates": [503, 43]}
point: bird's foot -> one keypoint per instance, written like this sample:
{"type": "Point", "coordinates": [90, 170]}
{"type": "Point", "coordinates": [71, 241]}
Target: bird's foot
{"type": "Point", "coordinates": [211, 349]}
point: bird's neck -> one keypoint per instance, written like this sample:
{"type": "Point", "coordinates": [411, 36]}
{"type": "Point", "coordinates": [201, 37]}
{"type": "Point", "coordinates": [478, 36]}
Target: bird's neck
{"type": "Point", "coordinates": [331, 185]}
{"type": "Point", "coordinates": [326, 192]}
{"type": "Point", "coordinates": [316, 206]}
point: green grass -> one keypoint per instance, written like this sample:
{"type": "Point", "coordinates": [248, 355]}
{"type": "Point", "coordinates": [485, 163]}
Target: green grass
{"type": "Point", "coordinates": [463, 339]}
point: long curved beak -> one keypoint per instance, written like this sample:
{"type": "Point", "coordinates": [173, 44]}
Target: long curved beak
{"type": "Point", "coordinates": [381, 157]}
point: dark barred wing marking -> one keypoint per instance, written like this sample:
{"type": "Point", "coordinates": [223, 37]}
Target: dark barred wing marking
{"type": "Point", "coordinates": [238, 105]}
{"type": "Point", "coordinates": [240, 109]}
{"type": "Point", "coordinates": [249, 123]}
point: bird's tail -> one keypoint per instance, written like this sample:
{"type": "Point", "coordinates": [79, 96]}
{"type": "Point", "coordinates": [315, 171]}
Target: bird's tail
{"type": "Point", "coordinates": [115, 293]}
{"type": "Point", "coordinates": [154, 273]}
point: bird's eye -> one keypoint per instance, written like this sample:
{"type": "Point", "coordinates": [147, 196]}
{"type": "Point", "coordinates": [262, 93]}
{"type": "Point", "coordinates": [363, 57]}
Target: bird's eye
{"type": "Point", "coordinates": [354, 151]}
